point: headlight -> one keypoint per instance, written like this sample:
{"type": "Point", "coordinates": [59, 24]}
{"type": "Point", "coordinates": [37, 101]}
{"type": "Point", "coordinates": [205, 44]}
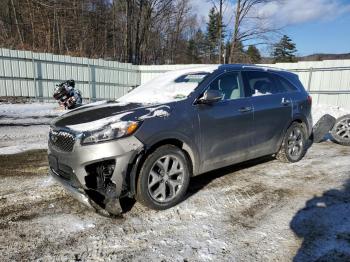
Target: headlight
{"type": "Point", "coordinates": [110, 132]}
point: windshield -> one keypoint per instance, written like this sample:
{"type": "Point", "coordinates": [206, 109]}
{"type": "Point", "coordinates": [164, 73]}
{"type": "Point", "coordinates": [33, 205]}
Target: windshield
{"type": "Point", "coordinates": [169, 87]}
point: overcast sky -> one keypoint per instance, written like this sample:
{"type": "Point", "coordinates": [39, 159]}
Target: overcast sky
{"type": "Point", "coordinates": [316, 26]}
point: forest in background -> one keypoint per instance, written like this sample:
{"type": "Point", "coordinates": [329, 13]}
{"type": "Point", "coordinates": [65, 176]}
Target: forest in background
{"type": "Point", "coordinates": [140, 31]}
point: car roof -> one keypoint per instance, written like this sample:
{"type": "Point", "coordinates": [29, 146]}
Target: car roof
{"type": "Point", "coordinates": [224, 67]}
{"type": "Point", "coordinates": [251, 67]}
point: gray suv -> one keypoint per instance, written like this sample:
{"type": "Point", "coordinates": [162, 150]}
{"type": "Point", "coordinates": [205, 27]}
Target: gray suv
{"type": "Point", "coordinates": [150, 142]}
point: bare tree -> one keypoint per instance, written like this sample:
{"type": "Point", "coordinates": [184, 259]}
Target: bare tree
{"type": "Point", "coordinates": [248, 25]}
{"type": "Point", "coordinates": [135, 31]}
{"type": "Point", "coordinates": [16, 22]}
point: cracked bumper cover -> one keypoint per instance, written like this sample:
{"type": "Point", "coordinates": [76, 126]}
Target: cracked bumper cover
{"type": "Point", "coordinates": [69, 168]}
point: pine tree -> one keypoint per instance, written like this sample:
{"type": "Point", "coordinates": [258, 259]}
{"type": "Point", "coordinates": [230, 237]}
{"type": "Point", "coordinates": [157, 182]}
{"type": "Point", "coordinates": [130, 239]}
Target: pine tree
{"type": "Point", "coordinates": [284, 50]}
{"type": "Point", "coordinates": [212, 33]}
{"type": "Point", "coordinates": [215, 26]}
{"type": "Point", "coordinates": [254, 54]}
{"type": "Point", "coordinates": [196, 48]}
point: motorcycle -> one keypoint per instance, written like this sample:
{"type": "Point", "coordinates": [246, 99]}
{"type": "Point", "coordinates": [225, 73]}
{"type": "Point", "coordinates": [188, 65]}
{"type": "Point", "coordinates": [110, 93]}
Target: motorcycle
{"type": "Point", "coordinates": [67, 96]}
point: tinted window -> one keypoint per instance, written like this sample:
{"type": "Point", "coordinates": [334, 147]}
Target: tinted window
{"type": "Point", "coordinates": [284, 85]}
{"type": "Point", "coordinates": [260, 83]}
{"type": "Point", "coordinates": [229, 85]}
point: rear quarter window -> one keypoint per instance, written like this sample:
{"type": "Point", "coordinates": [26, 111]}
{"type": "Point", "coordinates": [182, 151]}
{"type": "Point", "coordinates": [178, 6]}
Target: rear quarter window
{"type": "Point", "coordinates": [284, 85]}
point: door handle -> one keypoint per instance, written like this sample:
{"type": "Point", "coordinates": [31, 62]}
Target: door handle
{"type": "Point", "coordinates": [245, 109]}
{"type": "Point", "coordinates": [285, 102]}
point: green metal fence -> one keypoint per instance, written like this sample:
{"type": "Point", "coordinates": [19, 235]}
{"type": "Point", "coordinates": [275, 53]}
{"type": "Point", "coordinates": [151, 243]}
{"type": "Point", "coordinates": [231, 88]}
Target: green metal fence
{"type": "Point", "coordinates": [28, 74]}
{"type": "Point", "coordinates": [34, 75]}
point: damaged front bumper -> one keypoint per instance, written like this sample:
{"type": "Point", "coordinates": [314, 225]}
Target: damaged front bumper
{"type": "Point", "coordinates": [77, 193]}
{"type": "Point", "coordinates": [93, 174]}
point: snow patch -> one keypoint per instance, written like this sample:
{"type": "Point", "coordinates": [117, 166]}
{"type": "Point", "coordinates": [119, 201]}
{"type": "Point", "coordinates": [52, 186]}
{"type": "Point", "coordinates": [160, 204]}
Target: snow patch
{"type": "Point", "coordinates": [257, 93]}
{"type": "Point", "coordinates": [98, 124]}
{"type": "Point", "coordinates": [64, 223]}
{"type": "Point", "coordinates": [16, 149]}
{"type": "Point", "coordinates": [156, 112]}
{"type": "Point", "coordinates": [320, 110]}
{"type": "Point", "coordinates": [30, 110]}
{"type": "Point", "coordinates": [169, 87]}
{"type": "Point", "coordinates": [48, 181]}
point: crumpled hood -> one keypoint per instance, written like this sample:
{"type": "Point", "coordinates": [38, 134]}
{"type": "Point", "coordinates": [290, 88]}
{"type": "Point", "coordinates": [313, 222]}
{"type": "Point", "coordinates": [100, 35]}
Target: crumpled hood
{"type": "Point", "coordinates": [97, 115]}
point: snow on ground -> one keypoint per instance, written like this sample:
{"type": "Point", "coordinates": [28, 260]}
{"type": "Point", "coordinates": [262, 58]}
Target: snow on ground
{"type": "Point", "coordinates": [25, 126]}
{"type": "Point", "coordinates": [319, 110]}
{"type": "Point", "coordinates": [263, 210]}
{"type": "Point", "coordinates": [29, 110]}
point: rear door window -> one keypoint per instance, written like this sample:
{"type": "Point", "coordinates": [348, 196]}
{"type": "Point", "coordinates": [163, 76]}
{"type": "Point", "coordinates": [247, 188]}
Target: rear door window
{"type": "Point", "coordinates": [260, 83]}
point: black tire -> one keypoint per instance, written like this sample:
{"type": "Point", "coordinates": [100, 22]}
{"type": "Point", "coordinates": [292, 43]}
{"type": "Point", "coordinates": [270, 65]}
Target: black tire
{"type": "Point", "coordinates": [341, 130]}
{"type": "Point", "coordinates": [322, 128]}
{"type": "Point", "coordinates": [144, 194]}
{"type": "Point", "coordinates": [284, 154]}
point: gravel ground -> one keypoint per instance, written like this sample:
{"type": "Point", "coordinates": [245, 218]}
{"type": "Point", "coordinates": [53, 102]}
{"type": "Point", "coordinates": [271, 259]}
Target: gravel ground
{"type": "Point", "coordinates": [261, 210]}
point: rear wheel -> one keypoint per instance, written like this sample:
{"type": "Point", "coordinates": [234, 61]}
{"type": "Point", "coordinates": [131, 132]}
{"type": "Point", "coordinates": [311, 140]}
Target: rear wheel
{"type": "Point", "coordinates": [164, 178]}
{"type": "Point", "coordinates": [293, 146]}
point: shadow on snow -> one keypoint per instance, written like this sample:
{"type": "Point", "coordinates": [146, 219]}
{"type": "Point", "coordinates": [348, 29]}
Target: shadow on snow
{"type": "Point", "coordinates": [324, 225]}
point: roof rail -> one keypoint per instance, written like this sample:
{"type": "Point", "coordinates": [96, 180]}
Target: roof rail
{"type": "Point", "coordinates": [266, 68]}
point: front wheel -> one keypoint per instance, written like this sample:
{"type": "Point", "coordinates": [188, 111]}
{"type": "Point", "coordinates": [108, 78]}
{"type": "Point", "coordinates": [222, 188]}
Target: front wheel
{"type": "Point", "coordinates": [293, 146]}
{"type": "Point", "coordinates": [164, 178]}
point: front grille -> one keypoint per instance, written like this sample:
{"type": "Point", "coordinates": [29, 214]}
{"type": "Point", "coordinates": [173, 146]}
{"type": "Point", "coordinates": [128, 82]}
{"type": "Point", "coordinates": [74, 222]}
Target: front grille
{"type": "Point", "coordinates": [62, 140]}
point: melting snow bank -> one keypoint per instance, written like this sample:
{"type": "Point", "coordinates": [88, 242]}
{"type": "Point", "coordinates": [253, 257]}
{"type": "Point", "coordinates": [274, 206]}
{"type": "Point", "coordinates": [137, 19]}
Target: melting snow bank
{"type": "Point", "coordinates": [17, 139]}
{"type": "Point", "coordinates": [25, 127]}
{"type": "Point", "coordinates": [30, 110]}
{"type": "Point", "coordinates": [319, 110]}
{"type": "Point", "coordinates": [28, 114]}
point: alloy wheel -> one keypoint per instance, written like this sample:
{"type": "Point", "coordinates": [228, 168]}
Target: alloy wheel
{"type": "Point", "coordinates": [295, 142]}
{"type": "Point", "coordinates": [166, 178]}
{"type": "Point", "coordinates": [342, 129]}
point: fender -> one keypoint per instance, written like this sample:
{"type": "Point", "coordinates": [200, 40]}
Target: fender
{"type": "Point", "coordinates": [153, 143]}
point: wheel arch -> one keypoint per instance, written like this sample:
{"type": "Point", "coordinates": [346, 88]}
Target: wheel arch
{"type": "Point", "coordinates": [136, 164]}
{"type": "Point", "coordinates": [296, 119]}
{"type": "Point", "coordinates": [303, 121]}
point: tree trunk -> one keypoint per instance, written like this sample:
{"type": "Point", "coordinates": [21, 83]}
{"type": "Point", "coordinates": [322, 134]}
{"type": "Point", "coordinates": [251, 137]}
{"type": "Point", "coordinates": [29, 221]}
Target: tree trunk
{"type": "Point", "coordinates": [16, 21]}
{"type": "Point", "coordinates": [235, 31]}
{"type": "Point", "coordinates": [220, 31]}
{"type": "Point", "coordinates": [129, 24]}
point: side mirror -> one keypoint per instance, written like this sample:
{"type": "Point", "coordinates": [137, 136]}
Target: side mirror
{"type": "Point", "coordinates": [210, 97]}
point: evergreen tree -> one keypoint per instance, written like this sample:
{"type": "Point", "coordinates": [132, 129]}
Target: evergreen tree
{"type": "Point", "coordinates": [192, 52]}
{"type": "Point", "coordinates": [254, 54]}
{"type": "Point", "coordinates": [212, 33]}
{"type": "Point", "coordinates": [196, 48]}
{"type": "Point", "coordinates": [214, 27]}
{"type": "Point", "coordinates": [284, 50]}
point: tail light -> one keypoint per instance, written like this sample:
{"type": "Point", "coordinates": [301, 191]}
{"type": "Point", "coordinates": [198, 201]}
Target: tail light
{"type": "Point", "coordinates": [309, 100]}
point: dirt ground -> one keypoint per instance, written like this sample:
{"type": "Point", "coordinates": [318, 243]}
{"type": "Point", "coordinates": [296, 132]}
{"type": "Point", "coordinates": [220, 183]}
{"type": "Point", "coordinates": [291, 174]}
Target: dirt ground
{"type": "Point", "coordinates": [262, 210]}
